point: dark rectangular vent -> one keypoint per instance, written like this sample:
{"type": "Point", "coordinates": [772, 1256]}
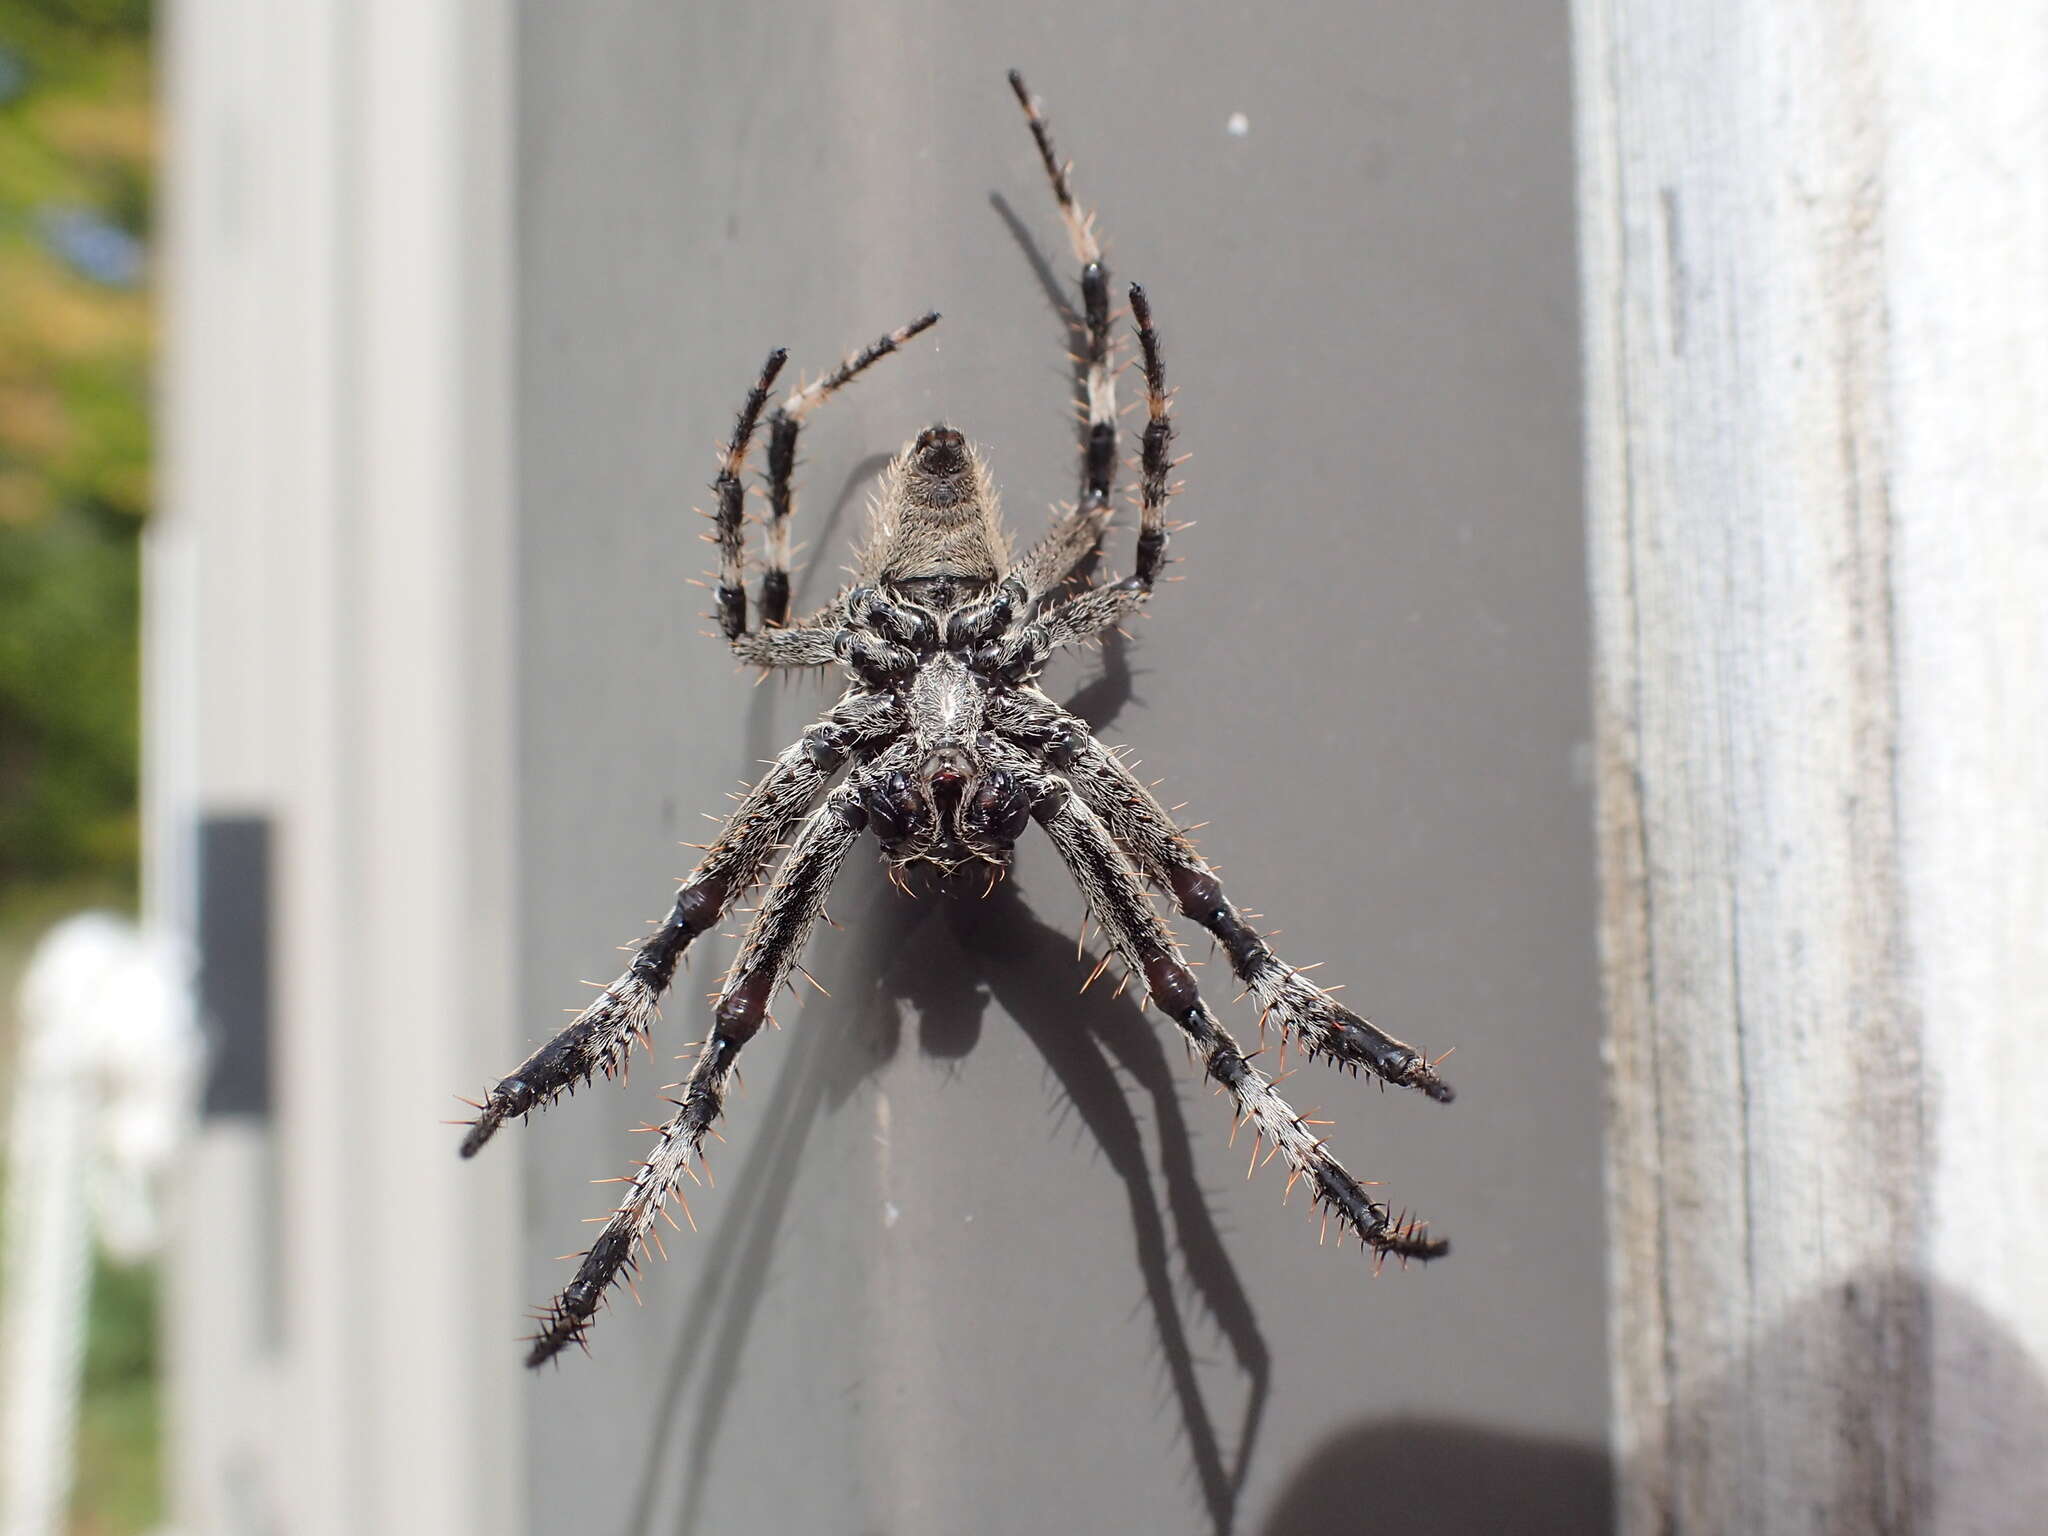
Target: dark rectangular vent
{"type": "Point", "coordinates": [234, 963]}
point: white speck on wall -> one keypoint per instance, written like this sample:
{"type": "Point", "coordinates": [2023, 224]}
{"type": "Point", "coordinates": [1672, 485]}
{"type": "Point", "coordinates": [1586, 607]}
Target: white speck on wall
{"type": "Point", "coordinates": [890, 1212]}
{"type": "Point", "coordinates": [1237, 125]}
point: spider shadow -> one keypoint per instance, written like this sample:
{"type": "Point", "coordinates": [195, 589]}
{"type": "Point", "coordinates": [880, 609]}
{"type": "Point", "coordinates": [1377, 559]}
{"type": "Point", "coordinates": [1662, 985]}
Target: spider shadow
{"type": "Point", "coordinates": [828, 1060]}
{"type": "Point", "coordinates": [804, 587]}
{"type": "Point", "coordinates": [804, 598]}
{"type": "Point", "coordinates": [940, 962]}
{"type": "Point", "coordinates": [1073, 333]}
{"type": "Point", "coordinates": [1087, 1041]}
{"type": "Point", "coordinates": [820, 1072]}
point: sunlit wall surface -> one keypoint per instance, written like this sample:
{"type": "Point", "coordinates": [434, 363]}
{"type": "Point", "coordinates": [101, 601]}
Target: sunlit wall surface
{"type": "Point", "coordinates": [467, 291]}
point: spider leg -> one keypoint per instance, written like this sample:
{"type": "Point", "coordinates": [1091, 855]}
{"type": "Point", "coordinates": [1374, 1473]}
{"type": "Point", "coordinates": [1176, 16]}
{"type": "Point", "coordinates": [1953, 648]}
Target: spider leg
{"type": "Point", "coordinates": [1086, 614]}
{"type": "Point", "coordinates": [729, 491]}
{"type": "Point", "coordinates": [1153, 490]}
{"type": "Point", "coordinates": [783, 428]}
{"type": "Point", "coordinates": [1142, 940]}
{"type": "Point", "coordinates": [1142, 826]}
{"type": "Point", "coordinates": [599, 1037]}
{"type": "Point", "coordinates": [774, 939]}
{"type": "Point", "coordinates": [1077, 533]}
{"type": "Point", "coordinates": [799, 645]}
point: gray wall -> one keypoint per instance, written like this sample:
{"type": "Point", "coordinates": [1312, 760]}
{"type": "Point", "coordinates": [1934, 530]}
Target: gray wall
{"type": "Point", "coordinates": [979, 1256]}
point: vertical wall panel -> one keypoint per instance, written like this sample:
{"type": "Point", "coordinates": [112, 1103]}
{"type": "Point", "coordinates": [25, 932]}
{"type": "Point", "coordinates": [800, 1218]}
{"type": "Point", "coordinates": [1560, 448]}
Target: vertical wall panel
{"type": "Point", "coordinates": [980, 1256]}
{"type": "Point", "coordinates": [329, 651]}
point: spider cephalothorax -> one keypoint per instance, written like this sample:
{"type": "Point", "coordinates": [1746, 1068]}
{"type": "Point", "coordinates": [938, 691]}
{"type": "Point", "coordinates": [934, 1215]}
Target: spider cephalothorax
{"type": "Point", "coordinates": [945, 749]}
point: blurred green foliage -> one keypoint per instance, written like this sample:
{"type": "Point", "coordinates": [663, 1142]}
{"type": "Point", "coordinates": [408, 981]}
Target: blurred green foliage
{"type": "Point", "coordinates": [120, 1484]}
{"type": "Point", "coordinates": [76, 164]}
{"type": "Point", "coordinates": [75, 338]}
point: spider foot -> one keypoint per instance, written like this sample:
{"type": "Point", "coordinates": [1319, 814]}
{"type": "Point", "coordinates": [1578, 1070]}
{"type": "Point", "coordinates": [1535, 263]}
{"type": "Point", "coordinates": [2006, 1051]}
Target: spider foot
{"type": "Point", "coordinates": [1347, 1040]}
{"type": "Point", "coordinates": [1388, 1235]}
{"type": "Point", "coordinates": [566, 1320]}
{"type": "Point", "coordinates": [1324, 1027]}
{"type": "Point", "coordinates": [596, 1041]}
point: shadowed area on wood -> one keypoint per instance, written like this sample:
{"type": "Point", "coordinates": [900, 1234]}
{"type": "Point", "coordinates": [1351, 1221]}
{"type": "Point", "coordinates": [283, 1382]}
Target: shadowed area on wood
{"type": "Point", "coordinates": [1431, 1477]}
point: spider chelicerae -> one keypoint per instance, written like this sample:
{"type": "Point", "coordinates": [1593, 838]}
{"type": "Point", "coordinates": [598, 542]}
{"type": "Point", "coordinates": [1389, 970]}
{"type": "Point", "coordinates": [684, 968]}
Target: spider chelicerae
{"type": "Point", "coordinates": [948, 751]}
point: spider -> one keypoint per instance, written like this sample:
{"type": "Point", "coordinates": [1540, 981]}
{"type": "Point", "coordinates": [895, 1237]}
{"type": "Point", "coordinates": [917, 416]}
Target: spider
{"type": "Point", "coordinates": [949, 750]}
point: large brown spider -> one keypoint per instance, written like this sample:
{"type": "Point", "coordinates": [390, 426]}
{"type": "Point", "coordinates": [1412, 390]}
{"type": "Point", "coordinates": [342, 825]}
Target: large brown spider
{"type": "Point", "coordinates": [949, 750]}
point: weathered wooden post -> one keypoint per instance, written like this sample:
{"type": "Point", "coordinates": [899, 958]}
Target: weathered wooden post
{"type": "Point", "coordinates": [1815, 257]}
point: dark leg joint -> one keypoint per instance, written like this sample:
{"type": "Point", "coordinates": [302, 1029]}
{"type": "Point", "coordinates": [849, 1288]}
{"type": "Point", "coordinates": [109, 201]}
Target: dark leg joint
{"type": "Point", "coordinates": [1065, 749]}
{"type": "Point", "coordinates": [1397, 1064]}
{"type": "Point", "coordinates": [1151, 555]}
{"type": "Point", "coordinates": [1095, 297]}
{"type": "Point", "coordinates": [876, 662]}
{"type": "Point", "coordinates": [732, 610]}
{"type": "Point", "coordinates": [775, 598]}
{"type": "Point", "coordinates": [1048, 800]}
{"type": "Point", "coordinates": [782, 431]}
{"type": "Point", "coordinates": [514, 1096]}
{"type": "Point", "coordinates": [826, 746]}
{"type": "Point", "coordinates": [911, 627]}
{"type": "Point", "coordinates": [981, 622]}
{"type": "Point", "coordinates": [1101, 453]}
{"type": "Point", "coordinates": [1158, 435]}
{"type": "Point", "coordinates": [1172, 987]}
{"type": "Point", "coordinates": [697, 907]}
{"type": "Point", "coordinates": [1225, 1063]}
{"type": "Point", "coordinates": [1200, 896]}
{"type": "Point", "coordinates": [741, 1010]}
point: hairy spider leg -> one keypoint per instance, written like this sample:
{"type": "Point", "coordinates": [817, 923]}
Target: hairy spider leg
{"type": "Point", "coordinates": [1144, 829]}
{"type": "Point", "coordinates": [774, 940]}
{"type": "Point", "coordinates": [1086, 614]}
{"type": "Point", "coordinates": [783, 428]}
{"type": "Point", "coordinates": [599, 1038]}
{"type": "Point", "coordinates": [1141, 939]}
{"type": "Point", "coordinates": [729, 494]}
{"type": "Point", "coordinates": [1077, 533]}
{"type": "Point", "coordinates": [1153, 461]}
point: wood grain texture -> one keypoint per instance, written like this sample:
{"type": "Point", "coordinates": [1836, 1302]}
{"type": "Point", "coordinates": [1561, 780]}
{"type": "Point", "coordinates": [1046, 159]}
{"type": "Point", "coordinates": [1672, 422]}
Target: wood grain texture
{"type": "Point", "coordinates": [1814, 246]}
